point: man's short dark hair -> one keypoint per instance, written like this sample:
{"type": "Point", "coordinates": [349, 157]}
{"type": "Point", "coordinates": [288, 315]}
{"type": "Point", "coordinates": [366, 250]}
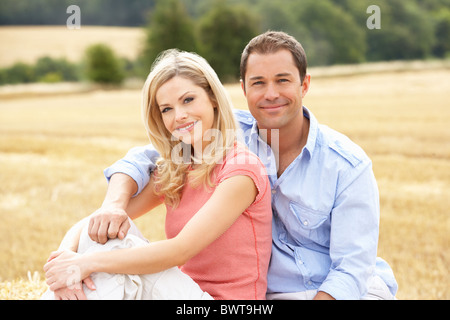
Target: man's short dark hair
{"type": "Point", "coordinates": [271, 42]}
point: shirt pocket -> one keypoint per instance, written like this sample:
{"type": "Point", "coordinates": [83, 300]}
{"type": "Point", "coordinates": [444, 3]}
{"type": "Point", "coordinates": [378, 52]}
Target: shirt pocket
{"type": "Point", "coordinates": [311, 226]}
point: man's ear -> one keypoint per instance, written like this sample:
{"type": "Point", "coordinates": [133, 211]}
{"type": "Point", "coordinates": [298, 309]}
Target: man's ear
{"type": "Point", "coordinates": [305, 85]}
{"type": "Point", "coordinates": [243, 86]}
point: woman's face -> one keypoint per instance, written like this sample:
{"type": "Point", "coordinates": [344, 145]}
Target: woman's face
{"type": "Point", "coordinates": [186, 110]}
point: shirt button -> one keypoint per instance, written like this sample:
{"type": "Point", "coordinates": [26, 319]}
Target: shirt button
{"type": "Point", "coordinates": [274, 191]}
{"type": "Point", "coordinates": [305, 223]}
{"type": "Point", "coordinates": [120, 279]}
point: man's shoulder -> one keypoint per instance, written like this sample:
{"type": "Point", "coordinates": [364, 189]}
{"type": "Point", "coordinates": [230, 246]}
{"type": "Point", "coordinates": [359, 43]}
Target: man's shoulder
{"type": "Point", "coordinates": [244, 117]}
{"type": "Point", "coordinates": [341, 145]}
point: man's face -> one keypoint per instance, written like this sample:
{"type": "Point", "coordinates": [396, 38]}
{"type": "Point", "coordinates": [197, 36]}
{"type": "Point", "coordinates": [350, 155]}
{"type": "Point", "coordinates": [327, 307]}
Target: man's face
{"type": "Point", "coordinates": [274, 90]}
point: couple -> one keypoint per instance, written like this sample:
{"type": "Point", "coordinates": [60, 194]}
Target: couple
{"type": "Point", "coordinates": [314, 212]}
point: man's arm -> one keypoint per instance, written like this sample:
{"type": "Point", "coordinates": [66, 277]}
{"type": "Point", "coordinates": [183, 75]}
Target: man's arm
{"type": "Point", "coordinates": [127, 178]}
{"type": "Point", "coordinates": [111, 219]}
{"type": "Point", "coordinates": [138, 163]}
{"type": "Point", "coordinates": [354, 235]}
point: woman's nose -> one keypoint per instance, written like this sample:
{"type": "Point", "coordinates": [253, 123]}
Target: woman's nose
{"type": "Point", "coordinates": [180, 114]}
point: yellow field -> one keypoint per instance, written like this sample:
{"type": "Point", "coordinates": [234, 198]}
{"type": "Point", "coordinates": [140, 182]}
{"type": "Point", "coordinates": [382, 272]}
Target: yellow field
{"type": "Point", "coordinates": [53, 148]}
{"type": "Point", "coordinates": [27, 44]}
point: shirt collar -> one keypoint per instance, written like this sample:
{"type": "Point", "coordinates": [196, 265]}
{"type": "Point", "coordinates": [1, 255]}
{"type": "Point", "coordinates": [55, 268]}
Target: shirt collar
{"type": "Point", "coordinates": [312, 135]}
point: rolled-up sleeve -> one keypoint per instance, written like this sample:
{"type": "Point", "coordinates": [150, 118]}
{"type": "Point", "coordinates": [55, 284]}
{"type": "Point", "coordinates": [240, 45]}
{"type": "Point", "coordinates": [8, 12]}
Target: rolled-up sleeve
{"type": "Point", "coordinates": [138, 163]}
{"type": "Point", "coordinates": [354, 234]}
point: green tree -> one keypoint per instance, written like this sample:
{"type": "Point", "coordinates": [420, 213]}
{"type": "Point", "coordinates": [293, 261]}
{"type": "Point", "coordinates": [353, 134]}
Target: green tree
{"type": "Point", "coordinates": [102, 65]}
{"type": "Point", "coordinates": [442, 33]}
{"type": "Point", "coordinates": [170, 27]}
{"type": "Point", "coordinates": [47, 68]}
{"type": "Point", "coordinates": [406, 32]}
{"type": "Point", "coordinates": [334, 36]}
{"type": "Point", "coordinates": [19, 73]}
{"type": "Point", "coordinates": [224, 32]}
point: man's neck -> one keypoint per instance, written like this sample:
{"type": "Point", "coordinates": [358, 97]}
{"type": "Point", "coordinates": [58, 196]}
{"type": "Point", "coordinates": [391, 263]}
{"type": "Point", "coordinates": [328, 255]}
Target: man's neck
{"type": "Point", "coordinates": [288, 142]}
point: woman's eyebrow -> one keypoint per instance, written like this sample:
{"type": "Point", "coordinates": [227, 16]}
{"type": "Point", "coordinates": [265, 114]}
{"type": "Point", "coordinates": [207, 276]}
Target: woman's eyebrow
{"type": "Point", "coordinates": [163, 105]}
{"type": "Point", "coordinates": [184, 94]}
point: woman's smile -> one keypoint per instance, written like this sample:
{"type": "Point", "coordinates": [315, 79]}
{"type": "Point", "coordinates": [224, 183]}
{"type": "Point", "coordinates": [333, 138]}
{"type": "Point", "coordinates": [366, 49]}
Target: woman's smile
{"type": "Point", "coordinates": [186, 127]}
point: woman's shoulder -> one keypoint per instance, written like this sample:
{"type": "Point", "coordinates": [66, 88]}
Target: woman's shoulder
{"type": "Point", "coordinates": [241, 157]}
{"type": "Point", "coordinates": [241, 161]}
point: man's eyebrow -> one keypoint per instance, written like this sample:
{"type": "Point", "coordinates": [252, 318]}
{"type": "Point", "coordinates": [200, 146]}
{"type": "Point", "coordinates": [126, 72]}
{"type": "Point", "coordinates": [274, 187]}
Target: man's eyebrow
{"type": "Point", "coordinates": [285, 74]}
{"type": "Point", "coordinates": [278, 75]}
{"type": "Point", "coordinates": [256, 78]}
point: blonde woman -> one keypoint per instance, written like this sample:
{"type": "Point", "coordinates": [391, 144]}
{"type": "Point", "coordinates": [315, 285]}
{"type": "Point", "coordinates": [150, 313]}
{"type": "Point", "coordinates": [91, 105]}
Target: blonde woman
{"type": "Point", "coordinates": [218, 222]}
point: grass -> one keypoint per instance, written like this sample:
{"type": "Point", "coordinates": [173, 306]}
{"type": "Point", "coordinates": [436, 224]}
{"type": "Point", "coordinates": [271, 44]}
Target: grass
{"type": "Point", "coordinates": [54, 146]}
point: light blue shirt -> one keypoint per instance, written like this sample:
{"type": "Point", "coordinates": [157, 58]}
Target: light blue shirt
{"type": "Point", "coordinates": [325, 211]}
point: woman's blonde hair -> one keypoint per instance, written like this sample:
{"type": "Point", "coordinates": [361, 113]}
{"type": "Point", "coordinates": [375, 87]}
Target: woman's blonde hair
{"type": "Point", "coordinates": [176, 157]}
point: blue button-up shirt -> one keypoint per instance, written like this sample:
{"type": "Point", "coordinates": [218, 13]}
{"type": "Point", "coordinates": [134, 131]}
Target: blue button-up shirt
{"type": "Point", "coordinates": [325, 211]}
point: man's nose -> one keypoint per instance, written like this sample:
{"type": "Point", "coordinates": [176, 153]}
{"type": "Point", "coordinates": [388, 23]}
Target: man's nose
{"type": "Point", "coordinates": [271, 92]}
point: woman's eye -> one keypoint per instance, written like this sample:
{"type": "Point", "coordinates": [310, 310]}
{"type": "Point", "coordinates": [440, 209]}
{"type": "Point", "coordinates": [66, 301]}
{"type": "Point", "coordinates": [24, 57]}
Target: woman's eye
{"type": "Point", "coordinates": [187, 100]}
{"type": "Point", "coordinates": [165, 110]}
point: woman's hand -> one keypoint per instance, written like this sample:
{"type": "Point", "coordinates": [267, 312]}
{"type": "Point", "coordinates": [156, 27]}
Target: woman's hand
{"type": "Point", "coordinates": [75, 292]}
{"type": "Point", "coordinates": [66, 269]}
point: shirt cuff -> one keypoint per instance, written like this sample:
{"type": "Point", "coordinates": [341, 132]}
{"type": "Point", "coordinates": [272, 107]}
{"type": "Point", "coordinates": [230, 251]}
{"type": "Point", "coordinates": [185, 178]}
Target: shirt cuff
{"type": "Point", "coordinates": [341, 287]}
{"type": "Point", "coordinates": [124, 167]}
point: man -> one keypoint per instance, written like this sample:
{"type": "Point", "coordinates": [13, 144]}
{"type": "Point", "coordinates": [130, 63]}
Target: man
{"type": "Point", "coordinates": [324, 195]}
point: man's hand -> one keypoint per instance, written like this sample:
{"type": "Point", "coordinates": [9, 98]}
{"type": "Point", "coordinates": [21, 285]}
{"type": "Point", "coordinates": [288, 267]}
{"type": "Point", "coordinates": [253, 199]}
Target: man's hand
{"type": "Point", "coordinates": [321, 295]}
{"type": "Point", "coordinates": [111, 220]}
{"type": "Point", "coordinates": [108, 223]}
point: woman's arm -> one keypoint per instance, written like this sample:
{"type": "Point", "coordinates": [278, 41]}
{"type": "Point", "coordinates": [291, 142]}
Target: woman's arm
{"type": "Point", "coordinates": [228, 202]}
